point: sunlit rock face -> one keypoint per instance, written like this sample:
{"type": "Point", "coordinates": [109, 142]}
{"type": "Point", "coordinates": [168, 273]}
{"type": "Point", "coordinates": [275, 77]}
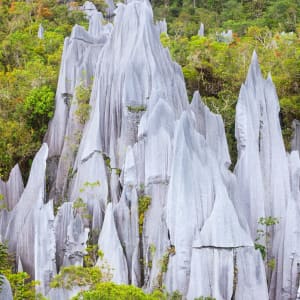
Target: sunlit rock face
{"type": "Point", "coordinates": [77, 71]}
{"type": "Point", "coordinates": [41, 32]}
{"type": "Point", "coordinates": [12, 190]}
{"type": "Point", "coordinates": [201, 30]}
{"type": "Point", "coordinates": [5, 292]}
{"type": "Point", "coordinates": [265, 180]}
{"type": "Point", "coordinates": [145, 175]}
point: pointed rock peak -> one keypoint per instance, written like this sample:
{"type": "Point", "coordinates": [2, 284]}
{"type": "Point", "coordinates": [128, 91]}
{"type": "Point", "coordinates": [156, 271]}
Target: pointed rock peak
{"type": "Point", "coordinates": [20, 265]}
{"type": "Point", "coordinates": [201, 30]}
{"type": "Point", "coordinates": [5, 290]}
{"type": "Point", "coordinates": [222, 229]}
{"type": "Point", "coordinates": [196, 101]}
{"type": "Point", "coordinates": [135, 15]}
{"type": "Point", "coordinates": [185, 133]}
{"type": "Point", "coordinates": [88, 7]}
{"type": "Point", "coordinates": [129, 176]}
{"type": "Point", "coordinates": [110, 244]}
{"type": "Point", "coordinates": [198, 105]}
{"type": "Point", "coordinates": [109, 222]}
{"type": "Point", "coordinates": [15, 173]}
{"type": "Point", "coordinates": [270, 77]}
{"type": "Point", "coordinates": [155, 121]}
{"type": "Point", "coordinates": [295, 159]}
{"type": "Point", "coordinates": [95, 25]}
{"type": "Point", "coordinates": [162, 26]}
{"type": "Point", "coordinates": [38, 166]}
{"type": "Point", "coordinates": [254, 57]}
{"type": "Point", "coordinates": [41, 32]}
{"type": "Point", "coordinates": [79, 33]}
{"type": "Point", "coordinates": [254, 72]}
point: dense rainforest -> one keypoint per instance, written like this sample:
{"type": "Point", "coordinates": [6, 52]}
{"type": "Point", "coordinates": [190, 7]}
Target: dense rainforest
{"type": "Point", "coordinates": [213, 65]}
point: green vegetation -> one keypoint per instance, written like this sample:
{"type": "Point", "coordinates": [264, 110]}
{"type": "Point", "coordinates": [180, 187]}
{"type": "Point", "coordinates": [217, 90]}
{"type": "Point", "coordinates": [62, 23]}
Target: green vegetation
{"type": "Point", "coordinates": [112, 291]}
{"type": "Point", "coordinates": [22, 287]}
{"type": "Point", "coordinates": [83, 107]}
{"type": "Point", "coordinates": [262, 242]}
{"type": "Point", "coordinates": [28, 74]}
{"type": "Point", "coordinates": [136, 109]}
{"type": "Point", "coordinates": [144, 203]}
{"type": "Point", "coordinates": [29, 66]}
{"type": "Point", "coordinates": [218, 69]}
{"type": "Point", "coordinates": [77, 276]}
{"type": "Point", "coordinates": [264, 235]}
{"type": "Point", "coordinates": [164, 262]}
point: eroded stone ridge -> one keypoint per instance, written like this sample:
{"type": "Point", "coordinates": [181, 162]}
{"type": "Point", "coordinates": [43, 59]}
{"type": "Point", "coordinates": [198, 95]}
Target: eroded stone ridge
{"type": "Point", "coordinates": [145, 175]}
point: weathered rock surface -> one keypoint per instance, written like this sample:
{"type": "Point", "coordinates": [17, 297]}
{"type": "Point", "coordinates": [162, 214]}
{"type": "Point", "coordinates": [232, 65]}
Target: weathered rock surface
{"type": "Point", "coordinates": [12, 189]}
{"type": "Point", "coordinates": [5, 289]}
{"type": "Point", "coordinates": [296, 136]}
{"type": "Point", "coordinates": [146, 177]}
{"type": "Point", "coordinates": [110, 245]}
{"type": "Point", "coordinates": [41, 32]}
{"type": "Point", "coordinates": [201, 30]}
{"type": "Point", "coordinates": [22, 223]}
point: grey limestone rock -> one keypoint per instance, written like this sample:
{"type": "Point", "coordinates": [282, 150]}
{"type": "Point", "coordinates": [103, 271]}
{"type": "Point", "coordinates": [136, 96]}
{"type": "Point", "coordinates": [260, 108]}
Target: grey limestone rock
{"type": "Point", "coordinates": [13, 188]}
{"type": "Point", "coordinates": [189, 204]}
{"type": "Point", "coordinates": [208, 266]}
{"type": "Point", "coordinates": [5, 289]}
{"type": "Point", "coordinates": [30, 229]}
{"type": "Point", "coordinates": [296, 136]}
{"type": "Point", "coordinates": [126, 219]}
{"type": "Point", "coordinates": [77, 71]}
{"type": "Point", "coordinates": [76, 239]}
{"type": "Point", "coordinates": [41, 32]}
{"type": "Point", "coordinates": [250, 189]}
{"type": "Point", "coordinates": [71, 235]}
{"type": "Point", "coordinates": [44, 246]}
{"type": "Point", "coordinates": [201, 30]}
{"type": "Point", "coordinates": [110, 245]}
{"type": "Point", "coordinates": [225, 36]}
{"type": "Point", "coordinates": [123, 104]}
{"type": "Point", "coordinates": [162, 26]}
{"type": "Point", "coordinates": [284, 283]}
{"type": "Point", "coordinates": [143, 146]}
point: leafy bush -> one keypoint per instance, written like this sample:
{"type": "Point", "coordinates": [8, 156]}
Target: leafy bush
{"type": "Point", "coordinates": [22, 287]}
{"type": "Point", "coordinates": [38, 108]}
{"type": "Point", "coordinates": [112, 291]}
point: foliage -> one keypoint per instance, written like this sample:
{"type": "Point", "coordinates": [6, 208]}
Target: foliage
{"type": "Point", "coordinates": [143, 205]}
{"type": "Point", "coordinates": [77, 276]}
{"type": "Point", "coordinates": [92, 250]}
{"type": "Point", "coordinates": [262, 242]}
{"type": "Point", "coordinates": [83, 106]}
{"type": "Point", "coordinates": [38, 109]}
{"type": "Point", "coordinates": [22, 287]}
{"type": "Point", "coordinates": [136, 109]}
{"type": "Point", "coordinates": [218, 70]}
{"type": "Point", "coordinates": [164, 262]}
{"type": "Point", "coordinates": [28, 74]}
{"type": "Point", "coordinates": [111, 291]}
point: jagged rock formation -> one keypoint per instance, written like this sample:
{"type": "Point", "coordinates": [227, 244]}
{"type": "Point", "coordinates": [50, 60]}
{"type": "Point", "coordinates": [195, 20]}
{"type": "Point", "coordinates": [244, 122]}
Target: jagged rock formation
{"type": "Point", "coordinates": [296, 136]}
{"type": "Point", "coordinates": [41, 32]}
{"type": "Point", "coordinates": [145, 175]}
{"type": "Point", "coordinates": [201, 30]}
{"type": "Point", "coordinates": [5, 289]}
{"type": "Point", "coordinates": [225, 36]}
{"type": "Point", "coordinates": [162, 26]}
{"type": "Point", "coordinates": [12, 189]}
